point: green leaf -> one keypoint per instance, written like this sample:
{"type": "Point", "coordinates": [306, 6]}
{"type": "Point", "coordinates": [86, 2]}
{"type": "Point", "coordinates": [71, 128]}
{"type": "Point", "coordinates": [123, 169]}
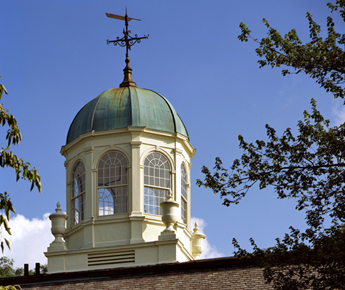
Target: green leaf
{"type": "Point", "coordinates": [7, 243]}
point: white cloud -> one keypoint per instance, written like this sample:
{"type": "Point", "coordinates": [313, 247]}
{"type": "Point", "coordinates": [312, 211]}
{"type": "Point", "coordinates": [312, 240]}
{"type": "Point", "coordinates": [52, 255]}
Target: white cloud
{"type": "Point", "coordinates": [209, 251]}
{"type": "Point", "coordinates": [339, 112]}
{"type": "Point", "coordinates": [29, 239]}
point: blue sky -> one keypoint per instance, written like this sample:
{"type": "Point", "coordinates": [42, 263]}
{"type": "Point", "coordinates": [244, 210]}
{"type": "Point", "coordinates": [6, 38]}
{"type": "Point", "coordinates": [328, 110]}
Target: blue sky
{"type": "Point", "coordinates": [54, 59]}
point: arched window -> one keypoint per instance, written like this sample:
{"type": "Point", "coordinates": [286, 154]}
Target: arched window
{"type": "Point", "coordinates": [156, 182]}
{"type": "Point", "coordinates": [183, 195]}
{"type": "Point", "coordinates": [112, 184]}
{"type": "Point", "coordinates": [78, 192]}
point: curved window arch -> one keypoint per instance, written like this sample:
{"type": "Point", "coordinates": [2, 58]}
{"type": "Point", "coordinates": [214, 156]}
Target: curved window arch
{"type": "Point", "coordinates": [156, 182]}
{"type": "Point", "coordinates": [183, 194]}
{"type": "Point", "coordinates": [112, 183]}
{"type": "Point", "coordinates": [78, 192]}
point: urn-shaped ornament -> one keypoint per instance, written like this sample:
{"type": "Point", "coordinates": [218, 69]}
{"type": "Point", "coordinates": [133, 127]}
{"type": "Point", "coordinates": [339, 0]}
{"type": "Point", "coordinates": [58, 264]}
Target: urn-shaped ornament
{"type": "Point", "coordinates": [198, 238]}
{"type": "Point", "coordinates": [169, 213]}
{"type": "Point", "coordinates": [58, 220]}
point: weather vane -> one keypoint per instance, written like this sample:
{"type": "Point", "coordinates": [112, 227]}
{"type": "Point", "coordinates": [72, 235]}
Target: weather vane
{"type": "Point", "coordinates": [126, 41]}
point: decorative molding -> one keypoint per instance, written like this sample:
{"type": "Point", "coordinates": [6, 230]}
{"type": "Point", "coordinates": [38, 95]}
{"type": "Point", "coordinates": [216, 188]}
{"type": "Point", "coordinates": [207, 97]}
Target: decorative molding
{"type": "Point", "coordinates": [92, 134]}
{"type": "Point", "coordinates": [62, 150]}
{"type": "Point", "coordinates": [136, 213]}
{"type": "Point", "coordinates": [136, 217]}
{"type": "Point", "coordinates": [178, 151]}
{"type": "Point", "coordinates": [136, 143]}
{"type": "Point", "coordinates": [101, 146]}
{"type": "Point", "coordinates": [136, 129]}
{"type": "Point", "coordinates": [88, 150]}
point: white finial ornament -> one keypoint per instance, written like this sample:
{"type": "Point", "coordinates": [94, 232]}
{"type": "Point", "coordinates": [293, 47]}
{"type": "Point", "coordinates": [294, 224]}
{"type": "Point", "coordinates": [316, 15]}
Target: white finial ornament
{"type": "Point", "coordinates": [169, 215]}
{"type": "Point", "coordinates": [197, 241]}
{"type": "Point", "coordinates": [58, 209]}
{"type": "Point", "coordinates": [58, 229]}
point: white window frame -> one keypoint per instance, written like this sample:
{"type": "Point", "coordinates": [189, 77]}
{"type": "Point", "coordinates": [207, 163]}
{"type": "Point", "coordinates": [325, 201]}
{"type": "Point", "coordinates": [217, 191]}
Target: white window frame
{"type": "Point", "coordinates": [112, 180]}
{"type": "Point", "coordinates": [157, 182]}
{"type": "Point", "coordinates": [184, 202]}
{"type": "Point", "coordinates": [78, 193]}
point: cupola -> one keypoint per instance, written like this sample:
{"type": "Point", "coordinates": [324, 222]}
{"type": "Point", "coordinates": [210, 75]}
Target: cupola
{"type": "Point", "coordinates": [127, 152]}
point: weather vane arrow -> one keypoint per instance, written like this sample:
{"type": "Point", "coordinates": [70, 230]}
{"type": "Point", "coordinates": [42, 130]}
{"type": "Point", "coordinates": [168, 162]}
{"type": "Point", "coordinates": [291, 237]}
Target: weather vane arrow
{"type": "Point", "coordinates": [127, 40]}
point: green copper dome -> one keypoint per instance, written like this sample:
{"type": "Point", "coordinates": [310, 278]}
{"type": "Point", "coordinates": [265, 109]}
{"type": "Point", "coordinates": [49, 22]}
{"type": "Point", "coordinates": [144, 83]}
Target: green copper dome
{"type": "Point", "coordinates": [123, 107]}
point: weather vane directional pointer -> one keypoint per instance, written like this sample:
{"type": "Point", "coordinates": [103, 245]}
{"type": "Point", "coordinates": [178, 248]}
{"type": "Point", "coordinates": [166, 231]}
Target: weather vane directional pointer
{"type": "Point", "coordinates": [126, 40]}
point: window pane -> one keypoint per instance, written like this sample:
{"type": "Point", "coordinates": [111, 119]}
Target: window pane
{"type": "Point", "coordinates": [157, 166]}
{"type": "Point", "coordinates": [183, 194]}
{"type": "Point", "coordinates": [153, 197]}
{"type": "Point", "coordinates": [78, 209]}
{"type": "Point", "coordinates": [183, 211]}
{"type": "Point", "coordinates": [156, 174]}
{"type": "Point", "coordinates": [183, 181]}
{"type": "Point", "coordinates": [106, 202]}
{"type": "Point", "coordinates": [124, 179]}
{"type": "Point", "coordinates": [112, 173]}
{"type": "Point", "coordinates": [78, 179]}
{"type": "Point", "coordinates": [120, 200]}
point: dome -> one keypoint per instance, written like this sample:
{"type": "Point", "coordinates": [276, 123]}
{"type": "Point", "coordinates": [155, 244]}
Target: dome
{"type": "Point", "coordinates": [126, 106]}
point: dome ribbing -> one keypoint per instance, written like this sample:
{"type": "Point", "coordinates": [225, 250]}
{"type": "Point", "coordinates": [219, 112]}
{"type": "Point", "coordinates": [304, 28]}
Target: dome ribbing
{"type": "Point", "coordinates": [123, 107]}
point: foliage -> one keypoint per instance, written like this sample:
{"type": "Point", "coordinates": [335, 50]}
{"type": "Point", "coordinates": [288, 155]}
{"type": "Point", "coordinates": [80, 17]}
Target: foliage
{"type": "Point", "coordinates": [308, 167]}
{"type": "Point", "coordinates": [321, 59]}
{"type": "Point", "coordinates": [44, 269]}
{"type": "Point", "coordinates": [7, 269]}
{"type": "Point", "coordinates": [8, 159]}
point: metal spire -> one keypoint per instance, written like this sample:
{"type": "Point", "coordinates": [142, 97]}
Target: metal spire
{"type": "Point", "coordinates": [126, 41]}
